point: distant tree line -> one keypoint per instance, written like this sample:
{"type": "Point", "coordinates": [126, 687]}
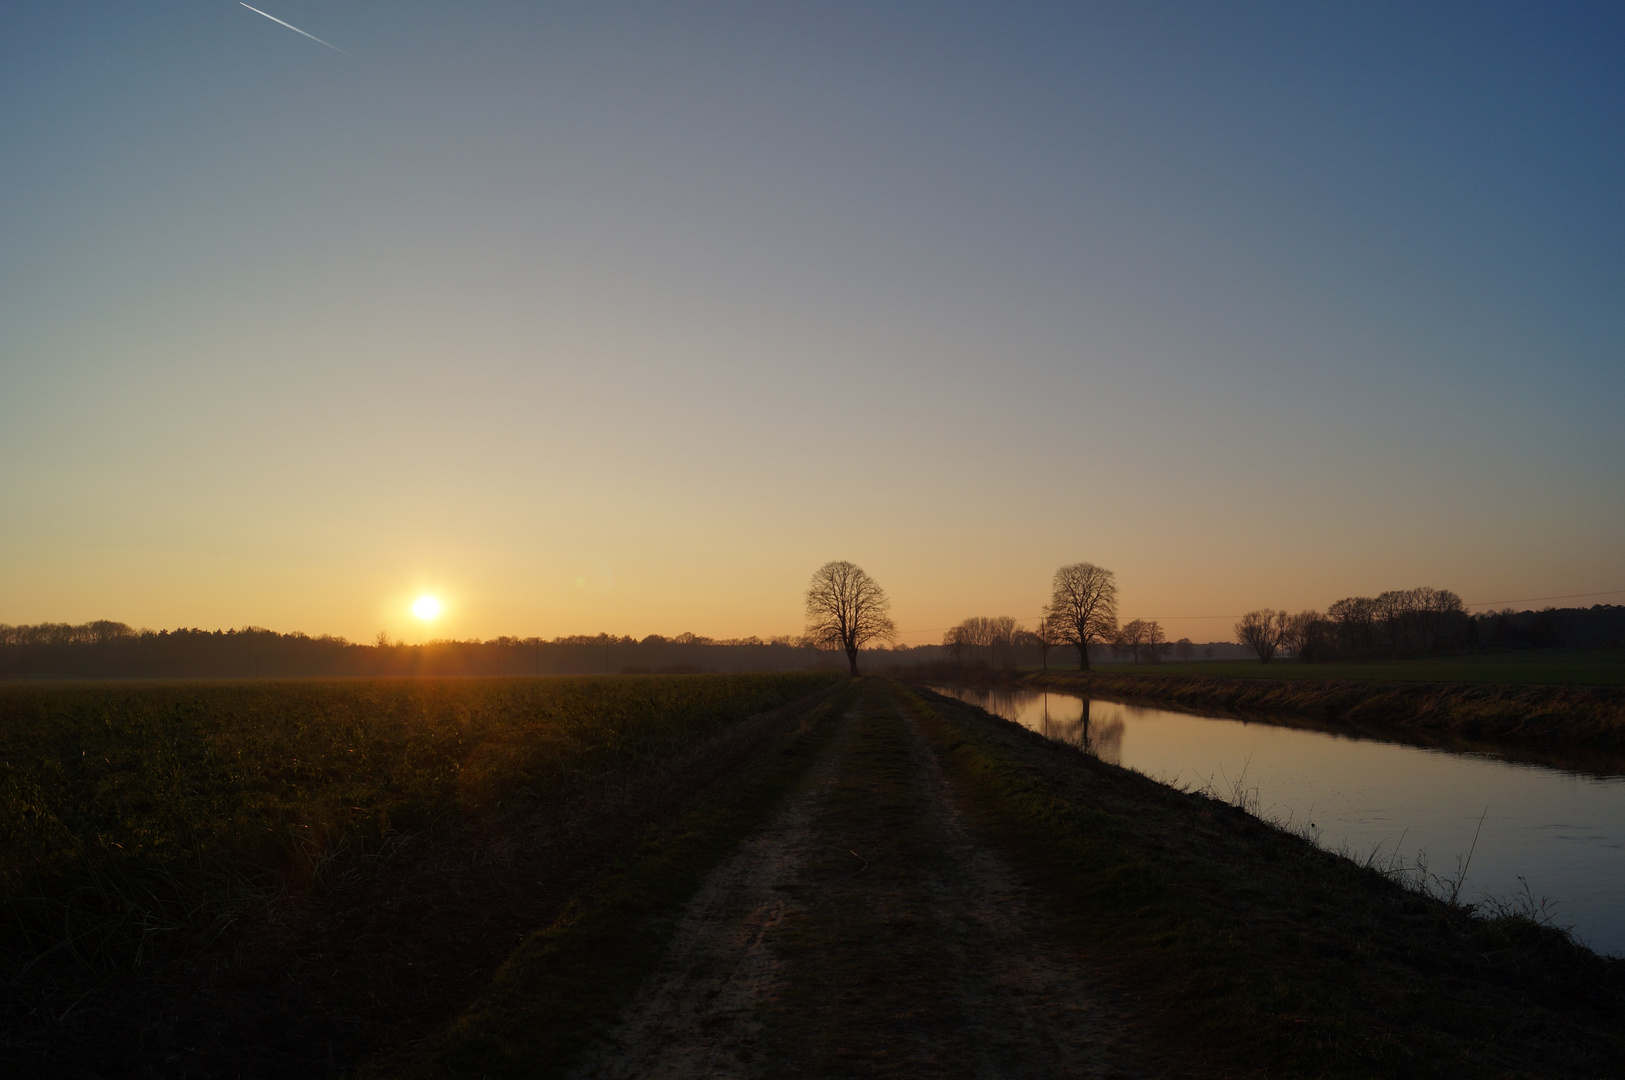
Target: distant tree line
{"type": "Point", "coordinates": [1082, 614]}
{"type": "Point", "coordinates": [1419, 622]}
{"type": "Point", "coordinates": [113, 650]}
{"type": "Point", "coordinates": [1592, 627]}
{"type": "Point", "coordinates": [996, 642]}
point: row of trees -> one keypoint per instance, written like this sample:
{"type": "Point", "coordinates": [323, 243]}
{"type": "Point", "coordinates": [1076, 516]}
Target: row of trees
{"type": "Point", "coordinates": [846, 609]}
{"type": "Point", "coordinates": [1598, 625]}
{"type": "Point", "coordinates": [1081, 613]}
{"type": "Point", "coordinates": [993, 642]}
{"type": "Point", "coordinates": [1146, 636]}
{"type": "Point", "coordinates": [1002, 642]}
{"type": "Point", "coordinates": [111, 650]}
{"type": "Point", "coordinates": [1400, 622]}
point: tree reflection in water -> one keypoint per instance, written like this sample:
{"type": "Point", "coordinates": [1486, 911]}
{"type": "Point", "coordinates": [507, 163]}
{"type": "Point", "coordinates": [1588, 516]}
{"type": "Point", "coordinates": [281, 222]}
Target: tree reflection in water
{"type": "Point", "coordinates": [1062, 717]}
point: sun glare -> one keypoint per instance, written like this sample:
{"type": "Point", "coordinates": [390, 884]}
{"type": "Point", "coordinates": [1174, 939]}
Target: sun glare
{"type": "Point", "coordinates": [426, 607]}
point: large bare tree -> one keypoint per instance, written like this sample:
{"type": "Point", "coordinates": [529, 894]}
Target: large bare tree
{"type": "Point", "coordinates": [846, 608]}
{"type": "Point", "coordinates": [1083, 607]}
{"type": "Point", "coordinates": [1262, 631]}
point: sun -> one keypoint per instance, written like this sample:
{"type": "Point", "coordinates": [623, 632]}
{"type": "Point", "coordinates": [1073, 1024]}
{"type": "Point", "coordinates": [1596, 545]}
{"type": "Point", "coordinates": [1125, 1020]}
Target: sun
{"type": "Point", "coordinates": [426, 607]}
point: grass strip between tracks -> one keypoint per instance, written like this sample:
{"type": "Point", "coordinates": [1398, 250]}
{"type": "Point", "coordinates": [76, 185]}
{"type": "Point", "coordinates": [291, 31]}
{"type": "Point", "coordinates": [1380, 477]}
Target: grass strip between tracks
{"type": "Point", "coordinates": [1261, 952]}
{"type": "Point", "coordinates": [564, 985]}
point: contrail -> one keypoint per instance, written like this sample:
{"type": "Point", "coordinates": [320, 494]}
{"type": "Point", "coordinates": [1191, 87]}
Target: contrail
{"type": "Point", "coordinates": [295, 29]}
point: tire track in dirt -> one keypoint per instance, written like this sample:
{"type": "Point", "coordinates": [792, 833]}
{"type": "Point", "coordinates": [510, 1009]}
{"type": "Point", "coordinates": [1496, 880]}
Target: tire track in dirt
{"type": "Point", "coordinates": [920, 955]}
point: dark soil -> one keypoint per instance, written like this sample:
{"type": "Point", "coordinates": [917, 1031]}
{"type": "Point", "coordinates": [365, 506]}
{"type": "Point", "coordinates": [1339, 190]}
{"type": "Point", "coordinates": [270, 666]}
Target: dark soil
{"type": "Point", "coordinates": [322, 984]}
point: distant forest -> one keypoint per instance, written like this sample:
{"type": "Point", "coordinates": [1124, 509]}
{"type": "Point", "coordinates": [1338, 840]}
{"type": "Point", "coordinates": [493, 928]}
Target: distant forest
{"type": "Point", "coordinates": [112, 650]}
{"type": "Point", "coordinates": [1592, 627]}
{"type": "Point", "coordinates": [1415, 622]}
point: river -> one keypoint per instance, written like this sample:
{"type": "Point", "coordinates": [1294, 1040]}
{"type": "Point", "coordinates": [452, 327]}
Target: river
{"type": "Point", "coordinates": [1521, 831]}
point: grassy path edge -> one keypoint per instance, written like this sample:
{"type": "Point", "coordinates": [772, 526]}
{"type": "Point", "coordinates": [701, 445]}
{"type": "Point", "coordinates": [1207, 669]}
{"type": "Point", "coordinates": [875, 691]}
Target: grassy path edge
{"type": "Point", "coordinates": [565, 984]}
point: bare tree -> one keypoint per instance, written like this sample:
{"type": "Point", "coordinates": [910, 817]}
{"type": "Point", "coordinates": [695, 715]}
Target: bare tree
{"type": "Point", "coordinates": [1305, 635]}
{"type": "Point", "coordinates": [967, 640]}
{"type": "Point", "coordinates": [1356, 622]}
{"type": "Point", "coordinates": [1262, 630]}
{"type": "Point", "coordinates": [1155, 639]}
{"type": "Point", "coordinates": [1001, 637]}
{"type": "Point", "coordinates": [1130, 636]}
{"type": "Point", "coordinates": [846, 608]}
{"type": "Point", "coordinates": [993, 639]}
{"type": "Point", "coordinates": [1396, 610]}
{"type": "Point", "coordinates": [1083, 607]}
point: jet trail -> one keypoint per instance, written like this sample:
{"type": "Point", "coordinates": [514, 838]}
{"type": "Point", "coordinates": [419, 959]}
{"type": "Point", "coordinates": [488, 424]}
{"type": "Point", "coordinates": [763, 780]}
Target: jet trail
{"type": "Point", "coordinates": [295, 29]}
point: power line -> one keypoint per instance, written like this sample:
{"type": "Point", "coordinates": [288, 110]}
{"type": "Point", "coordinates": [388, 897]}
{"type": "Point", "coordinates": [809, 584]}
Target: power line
{"type": "Point", "coordinates": [1534, 599]}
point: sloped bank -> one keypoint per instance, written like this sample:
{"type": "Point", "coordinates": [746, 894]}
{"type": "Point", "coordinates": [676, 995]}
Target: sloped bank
{"type": "Point", "coordinates": [1533, 715]}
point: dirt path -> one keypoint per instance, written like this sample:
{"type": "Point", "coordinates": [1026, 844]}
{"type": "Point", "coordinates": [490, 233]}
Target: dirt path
{"type": "Point", "coordinates": [865, 932]}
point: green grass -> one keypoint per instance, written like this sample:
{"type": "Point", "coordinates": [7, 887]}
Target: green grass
{"type": "Point", "coordinates": [1574, 667]}
{"type": "Point", "coordinates": [139, 819]}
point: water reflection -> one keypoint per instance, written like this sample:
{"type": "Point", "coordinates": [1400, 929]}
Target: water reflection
{"type": "Point", "coordinates": [1062, 717]}
{"type": "Point", "coordinates": [1561, 832]}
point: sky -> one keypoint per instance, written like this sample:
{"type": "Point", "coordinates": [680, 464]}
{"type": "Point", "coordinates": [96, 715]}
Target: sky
{"type": "Point", "coordinates": [626, 317]}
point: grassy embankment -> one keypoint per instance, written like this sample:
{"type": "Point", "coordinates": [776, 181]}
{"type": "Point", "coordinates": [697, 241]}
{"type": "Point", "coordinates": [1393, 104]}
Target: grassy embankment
{"type": "Point", "coordinates": [1259, 950]}
{"type": "Point", "coordinates": [1553, 698]}
{"type": "Point", "coordinates": [1566, 667]}
{"type": "Point", "coordinates": [138, 823]}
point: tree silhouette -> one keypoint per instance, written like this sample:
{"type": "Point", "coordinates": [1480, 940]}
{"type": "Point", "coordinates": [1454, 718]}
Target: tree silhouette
{"type": "Point", "coordinates": [847, 608]}
{"type": "Point", "coordinates": [1262, 631]}
{"type": "Point", "coordinates": [1083, 607]}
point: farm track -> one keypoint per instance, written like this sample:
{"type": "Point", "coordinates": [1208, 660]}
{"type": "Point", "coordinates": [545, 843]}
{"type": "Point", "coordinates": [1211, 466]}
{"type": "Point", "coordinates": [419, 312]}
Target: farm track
{"type": "Point", "coordinates": [326, 984]}
{"type": "Point", "coordinates": [866, 932]}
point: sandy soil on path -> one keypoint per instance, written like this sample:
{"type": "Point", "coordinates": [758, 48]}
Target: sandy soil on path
{"type": "Point", "coordinates": [865, 932]}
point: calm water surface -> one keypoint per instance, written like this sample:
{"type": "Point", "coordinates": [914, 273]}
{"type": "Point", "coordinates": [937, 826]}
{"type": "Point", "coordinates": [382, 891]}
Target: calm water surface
{"type": "Point", "coordinates": [1561, 832]}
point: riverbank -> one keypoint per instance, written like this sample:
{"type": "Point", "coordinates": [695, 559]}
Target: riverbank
{"type": "Point", "coordinates": [1531, 714]}
{"type": "Point", "coordinates": [1259, 952]}
{"type": "Point", "coordinates": [912, 887]}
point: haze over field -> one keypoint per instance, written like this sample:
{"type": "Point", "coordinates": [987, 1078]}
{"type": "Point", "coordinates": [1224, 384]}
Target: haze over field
{"type": "Point", "coordinates": [627, 317]}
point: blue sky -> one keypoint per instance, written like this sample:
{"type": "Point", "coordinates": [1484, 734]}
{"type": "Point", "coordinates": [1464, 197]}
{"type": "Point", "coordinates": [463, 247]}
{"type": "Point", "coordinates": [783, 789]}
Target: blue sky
{"type": "Point", "coordinates": [627, 317]}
